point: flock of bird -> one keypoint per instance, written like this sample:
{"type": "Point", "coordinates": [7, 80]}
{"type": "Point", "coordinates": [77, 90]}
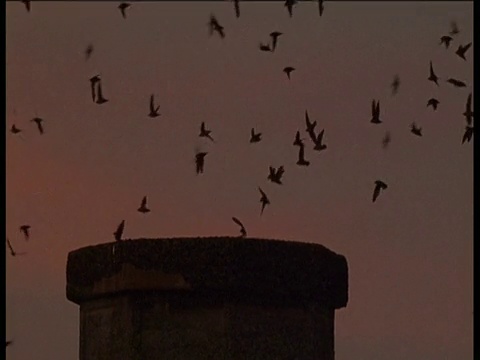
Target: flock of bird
{"type": "Point", "coordinates": [275, 174]}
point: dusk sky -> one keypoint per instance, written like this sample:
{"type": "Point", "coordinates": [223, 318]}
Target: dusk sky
{"type": "Point", "coordinates": [410, 254]}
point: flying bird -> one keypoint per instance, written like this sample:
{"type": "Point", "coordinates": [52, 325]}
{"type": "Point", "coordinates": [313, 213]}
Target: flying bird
{"type": "Point", "coordinates": [255, 137]}
{"type": "Point", "coordinates": [200, 161]}
{"type": "Point", "coordinates": [379, 185]}
{"type": "Point", "coordinates": [467, 136]}
{"type": "Point", "coordinates": [287, 70]}
{"type": "Point", "coordinates": [375, 112]}
{"type": "Point", "coordinates": [386, 140]}
{"type": "Point", "coordinates": [93, 81]}
{"type": "Point", "coordinates": [454, 28]}
{"type": "Point", "coordinates": [38, 121]}
{"type": "Point", "coordinates": [275, 175]}
{"type": "Point", "coordinates": [462, 50]}
{"type": "Point", "coordinates": [243, 232]}
{"type": "Point", "coordinates": [301, 157]}
{"type": "Point", "coordinates": [88, 52]}
{"type": "Point", "coordinates": [320, 7]}
{"type": "Point", "coordinates": [25, 229]}
{"type": "Point", "coordinates": [143, 207]}
{"type": "Point", "coordinates": [215, 26]}
{"type": "Point", "coordinates": [415, 129]}
{"type": "Point", "coordinates": [123, 7]}
{"type": "Point", "coordinates": [274, 35]}
{"type": "Point", "coordinates": [119, 232]}
{"type": "Point", "coordinates": [15, 130]}
{"type": "Point", "coordinates": [204, 132]}
{"type": "Point", "coordinates": [456, 83]}
{"type": "Point", "coordinates": [289, 4]}
{"type": "Point", "coordinates": [468, 110]}
{"type": "Point", "coordinates": [9, 342]}
{"type": "Point", "coordinates": [395, 84]}
{"type": "Point", "coordinates": [264, 47]}
{"type": "Point", "coordinates": [100, 99]}
{"type": "Point", "coordinates": [27, 4]}
{"type": "Point", "coordinates": [298, 141]}
{"type": "Point", "coordinates": [319, 146]}
{"type": "Point", "coordinates": [13, 252]}
{"type": "Point", "coordinates": [432, 76]}
{"type": "Point", "coordinates": [433, 103]}
{"type": "Point", "coordinates": [153, 110]}
{"type": "Point", "coordinates": [264, 200]}
{"type": "Point", "coordinates": [236, 4]}
{"type": "Point", "coordinates": [446, 40]}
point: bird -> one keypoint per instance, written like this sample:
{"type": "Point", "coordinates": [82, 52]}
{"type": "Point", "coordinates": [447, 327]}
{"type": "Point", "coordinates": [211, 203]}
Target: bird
{"type": "Point", "coordinates": [274, 35]}
{"type": "Point", "coordinates": [379, 185]}
{"type": "Point", "coordinates": [200, 161]}
{"type": "Point", "coordinates": [456, 83]}
{"type": "Point", "coordinates": [153, 110]}
{"type": "Point", "coordinates": [275, 175]}
{"type": "Point", "coordinates": [243, 232]}
{"type": "Point", "coordinates": [318, 142]}
{"type": "Point", "coordinates": [454, 28]}
{"type": "Point", "coordinates": [38, 121]}
{"type": "Point", "coordinates": [432, 76]}
{"type": "Point", "coordinates": [255, 137]}
{"type": "Point", "coordinates": [264, 47]}
{"type": "Point", "coordinates": [215, 26]}
{"type": "Point", "coordinates": [25, 229]}
{"type": "Point", "coordinates": [204, 132]}
{"type": "Point", "coordinates": [301, 157]}
{"type": "Point", "coordinates": [100, 99]}
{"type": "Point", "coordinates": [415, 129]}
{"type": "Point", "coordinates": [13, 252]}
{"type": "Point", "coordinates": [310, 127]}
{"type": "Point", "coordinates": [93, 81]}
{"type": "Point", "coordinates": [88, 52]}
{"type": "Point", "coordinates": [462, 49]}
{"type": "Point", "coordinates": [8, 342]}
{"type": "Point", "coordinates": [320, 7]}
{"type": "Point", "coordinates": [287, 70]}
{"type": "Point", "coordinates": [467, 136]}
{"type": "Point", "coordinates": [375, 112]}
{"type": "Point", "coordinates": [468, 110]}
{"type": "Point", "coordinates": [123, 7]}
{"type": "Point", "coordinates": [298, 141]}
{"type": "Point", "coordinates": [446, 40]}
{"type": "Point", "coordinates": [395, 84]}
{"type": "Point", "coordinates": [433, 103]}
{"type": "Point", "coordinates": [236, 4]}
{"type": "Point", "coordinates": [386, 140]}
{"type": "Point", "coordinates": [143, 207]}
{"type": "Point", "coordinates": [289, 4]}
{"type": "Point", "coordinates": [15, 130]}
{"type": "Point", "coordinates": [264, 200]}
{"type": "Point", "coordinates": [27, 4]}
{"type": "Point", "coordinates": [119, 232]}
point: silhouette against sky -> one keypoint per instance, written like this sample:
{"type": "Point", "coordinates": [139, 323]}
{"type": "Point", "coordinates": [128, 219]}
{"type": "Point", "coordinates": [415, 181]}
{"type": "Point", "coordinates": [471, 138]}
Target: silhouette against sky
{"type": "Point", "coordinates": [410, 252]}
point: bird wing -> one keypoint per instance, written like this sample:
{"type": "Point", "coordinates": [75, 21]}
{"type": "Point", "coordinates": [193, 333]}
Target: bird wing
{"type": "Point", "coordinates": [431, 69]}
{"type": "Point", "coordinates": [238, 222]}
{"type": "Point", "coordinates": [466, 47]}
{"type": "Point", "coordinates": [10, 246]}
{"type": "Point", "coordinates": [237, 8]}
{"type": "Point", "coordinates": [469, 103]}
{"type": "Point", "coordinates": [202, 127]}
{"type": "Point", "coordinates": [377, 109]}
{"type": "Point", "coordinates": [320, 136]}
{"type": "Point", "coordinates": [301, 153]}
{"type": "Point", "coordinates": [144, 201]}
{"type": "Point", "coordinates": [120, 228]}
{"type": "Point", "coordinates": [152, 107]}
{"type": "Point", "coordinates": [262, 192]}
{"type": "Point", "coordinates": [373, 108]}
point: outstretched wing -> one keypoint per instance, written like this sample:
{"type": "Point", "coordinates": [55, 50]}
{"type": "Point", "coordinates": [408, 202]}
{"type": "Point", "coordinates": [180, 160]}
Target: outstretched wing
{"type": "Point", "coordinates": [238, 222]}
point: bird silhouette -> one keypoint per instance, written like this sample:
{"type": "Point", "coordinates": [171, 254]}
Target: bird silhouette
{"type": "Point", "coordinates": [264, 47]}
{"type": "Point", "coordinates": [215, 26]}
{"type": "Point", "coordinates": [25, 229]}
{"type": "Point", "coordinates": [153, 110]}
{"type": "Point", "coordinates": [320, 7]}
{"type": "Point", "coordinates": [204, 132]}
{"type": "Point", "coordinates": [287, 70]}
{"type": "Point", "coordinates": [395, 84]}
{"type": "Point", "coordinates": [462, 49]}
{"type": "Point", "coordinates": [119, 232]}
{"type": "Point", "coordinates": [454, 28]}
{"type": "Point", "coordinates": [275, 175]}
{"type": "Point", "coordinates": [8, 342]}
{"type": "Point", "coordinates": [433, 103]}
{"type": "Point", "coordinates": [13, 252]}
{"type": "Point", "coordinates": [310, 127]}
{"type": "Point", "coordinates": [467, 136]}
{"type": "Point", "coordinates": [88, 52]}
{"type": "Point", "coordinates": [468, 113]}
{"type": "Point", "coordinates": [254, 138]}
{"type": "Point", "coordinates": [432, 76]}
{"type": "Point", "coordinates": [143, 207]}
{"type": "Point", "coordinates": [379, 185]}
{"type": "Point", "coordinates": [274, 35]}
{"type": "Point", "coordinates": [375, 112]}
{"type": "Point", "coordinates": [236, 4]}
{"type": "Point", "coordinates": [446, 40]}
{"type": "Point", "coordinates": [93, 81]}
{"type": "Point", "coordinates": [386, 140]}
{"type": "Point", "coordinates": [15, 130]}
{"type": "Point", "coordinates": [100, 98]}
{"type": "Point", "coordinates": [415, 129]}
{"type": "Point", "coordinates": [27, 4]}
{"type": "Point", "coordinates": [289, 4]}
{"type": "Point", "coordinates": [456, 83]}
{"type": "Point", "coordinates": [123, 7]}
{"type": "Point", "coordinates": [319, 145]}
{"type": "Point", "coordinates": [38, 121]}
{"type": "Point", "coordinates": [301, 156]}
{"type": "Point", "coordinates": [264, 200]}
{"type": "Point", "coordinates": [200, 161]}
{"type": "Point", "coordinates": [298, 141]}
{"type": "Point", "coordinates": [243, 232]}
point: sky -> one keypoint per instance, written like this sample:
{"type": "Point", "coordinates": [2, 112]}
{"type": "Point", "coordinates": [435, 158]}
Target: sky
{"type": "Point", "coordinates": [410, 254]}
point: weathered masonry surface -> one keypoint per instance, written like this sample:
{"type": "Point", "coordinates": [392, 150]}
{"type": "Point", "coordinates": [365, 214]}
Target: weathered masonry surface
{"type": "Point", "coordinates": [207, 298]}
